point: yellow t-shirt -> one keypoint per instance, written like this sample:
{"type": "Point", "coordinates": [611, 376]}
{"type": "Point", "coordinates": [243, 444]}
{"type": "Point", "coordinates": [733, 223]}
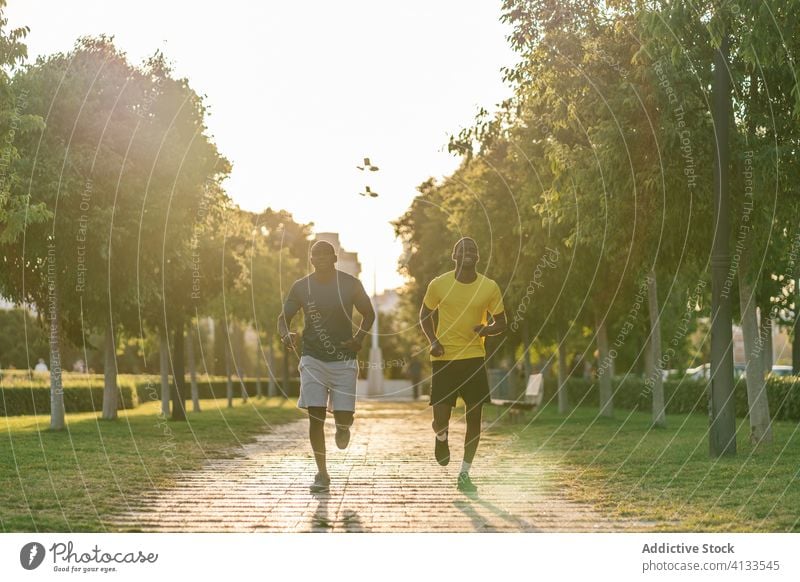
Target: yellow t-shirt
{"type": "Point", "coordinates": [461, 307]}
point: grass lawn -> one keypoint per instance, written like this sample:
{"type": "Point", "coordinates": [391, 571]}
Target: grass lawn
{"type": "Point", "coordinates": [666, 474]}
{"type": "Point", "coordinates": [75, 479]}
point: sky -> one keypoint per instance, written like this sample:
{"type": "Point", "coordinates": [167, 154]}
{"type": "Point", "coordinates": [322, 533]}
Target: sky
{"type": "Point", "coordinates": [300, 93]}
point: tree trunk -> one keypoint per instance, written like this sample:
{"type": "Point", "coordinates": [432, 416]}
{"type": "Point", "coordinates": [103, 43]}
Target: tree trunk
{"type": "Point", "coordinates": [178, 373]}
{"type": "Point", "coordinates": [259, 355]}
{"type": "Point", "coordinates": [242, 384]}
{"type": "Point", "coordinates": [654, 343]}
{"type": "Point", "coordinates": [526, 348]}
{"type": "Point", "coordinates": [766, 340]}
{"type": "Point", "coordinates": [228, 380]}
{"type": "Point", "coordinates": [240, 357]}
{"type": "Point", "coordinates": [760, 426]}
{"type": "Point", "coordinates": [272, 386]}
{"type": "Point", "coordinates": [57, 416]}
{"type": "Point", "coordinates": [164, 368]}
{"type": "Point", "coordinates": [649, 364]}
{"type": "Point", "coordinates": [563, 376]}
{"type": "Point", "coordinates": [110, 390]}
{"type": "Point", "coordinates": [193, 368]}
{"type": "Point", "coordinates": [606, 391]}
{"type": "Point", "coordinates": [220, 347]}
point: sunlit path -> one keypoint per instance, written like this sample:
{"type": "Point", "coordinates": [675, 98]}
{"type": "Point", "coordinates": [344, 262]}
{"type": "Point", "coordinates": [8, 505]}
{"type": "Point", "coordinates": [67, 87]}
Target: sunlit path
{"type": "Point", "coordinates": [386, 481]}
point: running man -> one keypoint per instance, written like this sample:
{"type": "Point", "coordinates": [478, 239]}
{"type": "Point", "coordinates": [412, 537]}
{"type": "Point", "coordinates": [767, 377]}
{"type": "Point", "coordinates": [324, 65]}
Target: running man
{"type": "Point", "coordinates": [328, 365]}
{"type": "Point", "coordinates": [454, 319]}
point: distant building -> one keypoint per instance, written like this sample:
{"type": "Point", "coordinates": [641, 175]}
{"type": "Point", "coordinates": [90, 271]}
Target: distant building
{"type": "Point", "coordinates": [347, 261]}
{"type": "Point", "coordinates": [386, 302]}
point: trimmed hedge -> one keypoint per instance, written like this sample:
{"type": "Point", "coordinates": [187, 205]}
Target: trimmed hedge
{"type": "Point", "coordinates": [211, 389]}
{"type": "Point", "coordinates": [19, 394]}
{"type": "Point", "coordinates": [35, 399]}
{"type": "Point", "coordinates": [784, 397]}
{"type": "Point", "coordinates": [682, 396]}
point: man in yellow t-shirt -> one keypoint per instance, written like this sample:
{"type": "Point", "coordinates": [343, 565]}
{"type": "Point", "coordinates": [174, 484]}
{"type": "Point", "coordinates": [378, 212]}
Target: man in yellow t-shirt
{"type": "Point", "coordinates": [454, 317]}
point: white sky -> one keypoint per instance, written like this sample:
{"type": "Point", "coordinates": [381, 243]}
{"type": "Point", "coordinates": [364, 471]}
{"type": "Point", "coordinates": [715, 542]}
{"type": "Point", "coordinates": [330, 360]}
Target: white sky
{"type": "Point", "coordinates": [300, 92]}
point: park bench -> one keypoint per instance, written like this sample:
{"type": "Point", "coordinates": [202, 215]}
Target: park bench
{"type": "Point", "coordinates": [511, 405]}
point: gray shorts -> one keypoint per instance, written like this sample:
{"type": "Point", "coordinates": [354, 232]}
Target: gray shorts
{"type": "Point", "coordinates": [328, 384]}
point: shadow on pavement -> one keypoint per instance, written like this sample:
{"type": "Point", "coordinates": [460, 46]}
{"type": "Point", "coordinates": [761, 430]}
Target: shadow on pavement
{"type": "Point", "coordinates": [322, 521]}
{"type": "Point", "coordinates": [472, 502]}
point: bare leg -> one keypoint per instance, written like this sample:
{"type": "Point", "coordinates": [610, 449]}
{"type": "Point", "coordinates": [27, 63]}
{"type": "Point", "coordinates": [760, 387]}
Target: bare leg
{"type": "Point", "coordinates": [441, 422]}
{"type": "Point", "coordinates": [473, 436]}
{"type": "Point", "coordinates": [316, 434]}
{"type": "Point", "coordinates": [441, 417]}
{"type": "Point", "coordinates": [343, 418]}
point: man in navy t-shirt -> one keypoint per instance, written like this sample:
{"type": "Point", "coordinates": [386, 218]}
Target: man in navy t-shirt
{"type": "Point", "coordinates": [328, 365]}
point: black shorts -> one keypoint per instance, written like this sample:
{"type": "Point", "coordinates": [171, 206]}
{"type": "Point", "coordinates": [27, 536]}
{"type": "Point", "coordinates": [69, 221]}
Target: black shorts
{"type": "Point", "coordinates": [453, 378]}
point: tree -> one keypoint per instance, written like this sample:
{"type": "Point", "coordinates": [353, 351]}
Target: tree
{"type": "Point", "coordinates": [92, 101]}
{"type": "Point", "coordinates": [44, 256]}
{"type": "Point", "coordinates": [178, 250]}
{"type": "Point", "coordinates": [16, 324]}
{"type": "Point", "coordinates": [17, 209]}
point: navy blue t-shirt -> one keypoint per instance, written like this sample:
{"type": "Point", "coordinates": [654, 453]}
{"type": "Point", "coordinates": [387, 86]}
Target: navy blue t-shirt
{"type": "Point", "coordinates": [328, 311]}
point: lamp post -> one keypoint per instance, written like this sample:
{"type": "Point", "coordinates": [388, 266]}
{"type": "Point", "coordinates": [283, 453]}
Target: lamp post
{"type": "Point", "coordinates": [375, 370]}
{"type": "Point", "coordinates": [722, 431]}
{"type": "Point", "coordinates": [272, 383]}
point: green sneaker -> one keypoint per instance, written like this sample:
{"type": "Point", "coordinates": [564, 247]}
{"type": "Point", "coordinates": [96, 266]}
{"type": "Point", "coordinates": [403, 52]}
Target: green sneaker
{"type": "Point", "coordinates": [321, 484]}
{"type": "Point", "coordinates": [465, 484]}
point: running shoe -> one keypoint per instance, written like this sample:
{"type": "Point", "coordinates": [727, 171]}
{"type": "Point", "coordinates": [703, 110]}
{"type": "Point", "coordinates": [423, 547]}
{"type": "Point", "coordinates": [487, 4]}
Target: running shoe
{"type": "Point", "coordinates": [342, 436]}
{"type": "Point", "coordinates": [465, 484]}
{"type": "Point", "coordinates": [442, 451]}
{"type": "Point", "coordinates": [321, 484]}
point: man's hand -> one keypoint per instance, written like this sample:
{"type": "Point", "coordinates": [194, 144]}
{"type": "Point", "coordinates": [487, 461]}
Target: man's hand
{"type": "Point", "coordinates": [353, 344]}
{"type": "Point", "coordinates": [497, 327]}
{"type": "Point", "coordinates": [436, 349]}
{"type": "Point", "coordinates": [290, 340]}
{"type": "Point", "coordinates": [481, 330]}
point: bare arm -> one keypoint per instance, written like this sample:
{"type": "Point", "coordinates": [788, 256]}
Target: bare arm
{"type": "Point", "coordinates": [497, 327]}
{"type": "Point", "coordinates": [284, 321]}
{"type": "Point", "coordinates": [426, 321]}
{"type": "Point", "coordinates": [363, 305]}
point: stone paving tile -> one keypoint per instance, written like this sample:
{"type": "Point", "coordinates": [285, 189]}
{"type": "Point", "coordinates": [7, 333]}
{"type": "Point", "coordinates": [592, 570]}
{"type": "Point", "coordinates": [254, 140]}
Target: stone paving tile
{"type": "Point", "coordinates": [385, 481]}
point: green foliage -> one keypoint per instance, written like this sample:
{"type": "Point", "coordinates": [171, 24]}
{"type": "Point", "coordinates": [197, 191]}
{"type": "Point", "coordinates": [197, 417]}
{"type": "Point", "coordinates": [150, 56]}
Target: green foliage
{"type": "Point", "coordinates": [683, 396]}
{"type": "Point", "coordinates": [26, 393]}
{"type": "Point", "coordinates": [81, 396]}
{"type": "Point", "coordinates": [213, 388]}
{"type": "Point", "coordinates": [22, 340]}
{"type": "Point", "coordinates": [784, 397]}
{"type": "Point", "coordinates": [126, 222]}
{"type": "Point", "coordinates": [16, 210]}
{"type": "Point", "coordinates": [604, 153]}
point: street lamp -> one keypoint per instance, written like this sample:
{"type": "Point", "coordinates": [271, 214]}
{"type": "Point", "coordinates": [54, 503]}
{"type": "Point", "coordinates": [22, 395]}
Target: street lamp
{"type": "Point", "coordinates": [722, 432]}
{"type": "Point", "coordinates": [375, 370]}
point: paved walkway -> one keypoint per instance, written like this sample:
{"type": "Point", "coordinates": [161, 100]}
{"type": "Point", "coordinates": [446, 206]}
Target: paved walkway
{"type": "Point", "coordinates": [385, 481]}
